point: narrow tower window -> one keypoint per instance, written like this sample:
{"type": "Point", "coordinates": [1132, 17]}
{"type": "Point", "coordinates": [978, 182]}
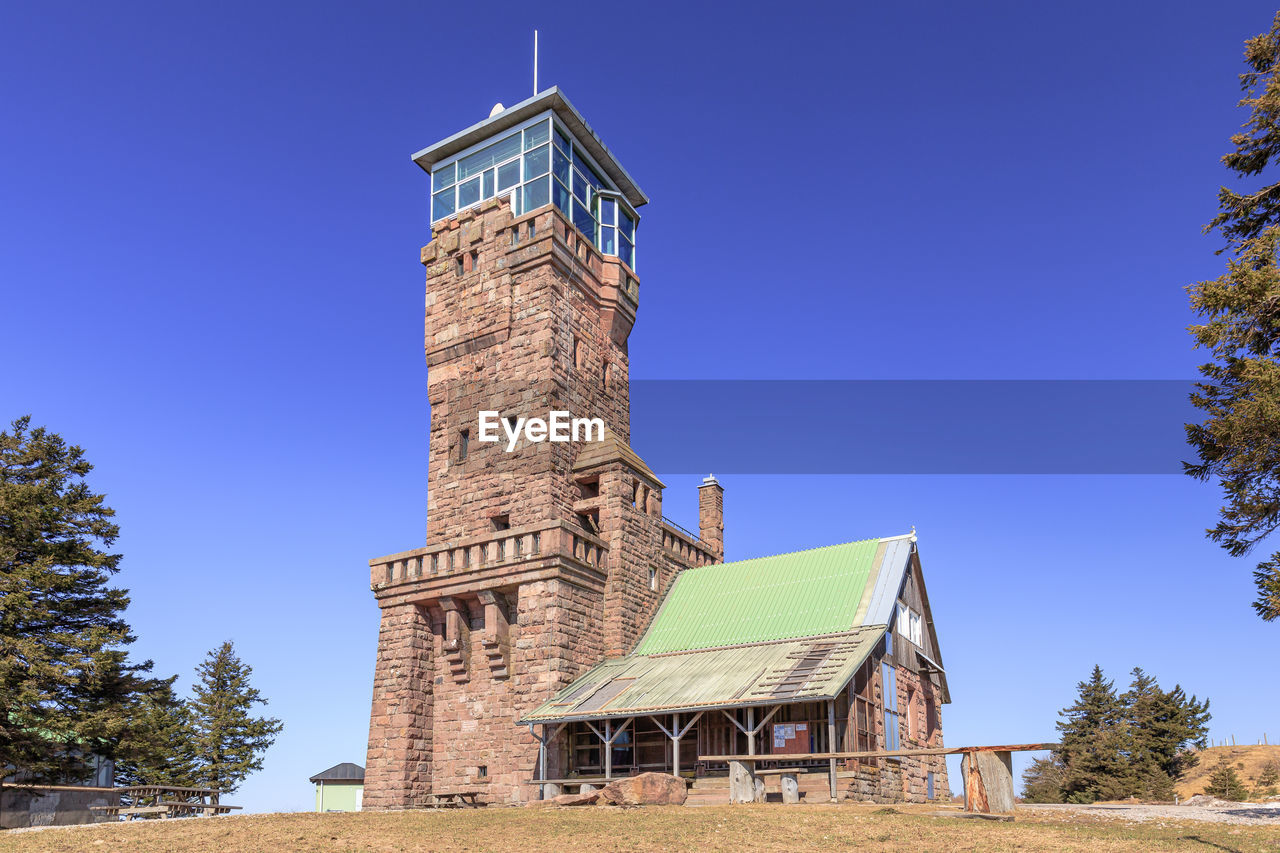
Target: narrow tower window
{"type": "Point", "coordinates": [464, 441]}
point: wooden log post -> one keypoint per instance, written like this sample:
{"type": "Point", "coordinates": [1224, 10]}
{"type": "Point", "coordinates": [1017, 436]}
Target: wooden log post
{"type": "Point", "coordinates": [988, 781]}
{"type": "Point", "coordinates": [742, 782]}
{"type": "Point", "coordinates": [790, 788]}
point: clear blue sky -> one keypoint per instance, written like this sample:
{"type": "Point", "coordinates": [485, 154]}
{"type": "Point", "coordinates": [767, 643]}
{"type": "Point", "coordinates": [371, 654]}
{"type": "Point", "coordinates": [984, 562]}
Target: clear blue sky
{"type": "Point", "coordinates": [209, 254]}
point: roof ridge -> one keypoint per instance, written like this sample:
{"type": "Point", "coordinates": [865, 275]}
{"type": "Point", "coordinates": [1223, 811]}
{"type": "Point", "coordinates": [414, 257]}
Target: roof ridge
{"type": "Point", "coordinates": [790, 553]}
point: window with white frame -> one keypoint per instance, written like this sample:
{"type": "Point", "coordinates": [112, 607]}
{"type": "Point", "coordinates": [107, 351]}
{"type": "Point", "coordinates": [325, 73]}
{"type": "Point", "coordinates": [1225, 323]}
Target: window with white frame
{"type": "Point", "coordinates": [910, 625]}
{"type": "Point", "coordinates": [535, 165]}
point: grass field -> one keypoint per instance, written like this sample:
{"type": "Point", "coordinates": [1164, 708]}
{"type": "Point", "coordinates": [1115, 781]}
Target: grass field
{"type": "Point", "coordinates": [728, 828]}
{"type": "Point", "coordinates": [1252, 757]}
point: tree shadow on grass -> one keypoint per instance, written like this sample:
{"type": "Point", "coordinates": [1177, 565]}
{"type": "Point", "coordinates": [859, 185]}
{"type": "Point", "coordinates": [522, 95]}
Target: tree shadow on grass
{"type": "Point", "coordinates": [1212, 844]}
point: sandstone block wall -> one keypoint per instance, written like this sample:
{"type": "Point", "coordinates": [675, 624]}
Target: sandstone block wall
{"type": "Point", "coordinates": [532, 572]}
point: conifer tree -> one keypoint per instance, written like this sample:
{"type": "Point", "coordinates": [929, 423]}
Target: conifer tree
{"type": "Point", "coordinates": [159, 748]}
{"type": "Point", "coordinates": [227, 740]}
{"type": "Point", "coordinates": [1225, 783]}
{"type": "Point", "coordinates": [1268, 782]}
{"type": "Point", "coordinates": [1239, 440]}
{"type": "Point", "coordinates": [1163, 726]}
{"type": "Point", "coordinates": [1042, 782]}
{"type": "Point", "coordinates": [1094, 744]}
{"type": "Point", "coordinates": [1134, 745]}
{"type": "Point", "coordinates": [66, 685]}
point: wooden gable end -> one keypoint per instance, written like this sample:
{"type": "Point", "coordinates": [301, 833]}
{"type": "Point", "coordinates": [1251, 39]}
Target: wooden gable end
{"type": "Point", "coordinates": [915, 596]}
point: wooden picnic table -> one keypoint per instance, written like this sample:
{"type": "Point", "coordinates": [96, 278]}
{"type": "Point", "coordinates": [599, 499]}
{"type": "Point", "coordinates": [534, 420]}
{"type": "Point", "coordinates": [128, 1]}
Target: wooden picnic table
{"type": "Point", "coordinates": [455, 799]}
{"type": "Point", "coordinates": [166, 801]}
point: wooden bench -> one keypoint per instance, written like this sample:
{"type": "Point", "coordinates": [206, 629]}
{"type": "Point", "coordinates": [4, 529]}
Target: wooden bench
{"type": "Point", "coordinates": [177, 809]}
{"type": "Point", "coordinates": [455, 799]}
{"type": "Point", "coordinates": [162, 810]}
{"type": "Point", "coordinates": [789, 783]}
{"type": "Point", "coordinates": [580, 784]}
{"type": "Point", "coordinates": [131, 813]}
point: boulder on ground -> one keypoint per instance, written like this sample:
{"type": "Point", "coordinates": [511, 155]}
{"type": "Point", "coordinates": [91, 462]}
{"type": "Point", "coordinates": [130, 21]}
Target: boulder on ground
{"type": "Point", "coordinates": [647, 789]}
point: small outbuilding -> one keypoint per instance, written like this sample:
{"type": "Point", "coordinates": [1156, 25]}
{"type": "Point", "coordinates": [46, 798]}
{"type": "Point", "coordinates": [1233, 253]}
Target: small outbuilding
{"type": "Point", "coordinates": [340, 788]}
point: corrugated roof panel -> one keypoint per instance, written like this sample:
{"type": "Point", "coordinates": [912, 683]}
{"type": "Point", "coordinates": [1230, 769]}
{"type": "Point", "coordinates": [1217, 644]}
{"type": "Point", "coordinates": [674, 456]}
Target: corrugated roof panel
{"type": "Point", "coordinates": [802, 594]}
{"type": "Point", "coordinates": [712, 678]}
{"type": "Point", "coordinates": [888, 581]}
{"type": "Point", "coordinates": [603, 694]}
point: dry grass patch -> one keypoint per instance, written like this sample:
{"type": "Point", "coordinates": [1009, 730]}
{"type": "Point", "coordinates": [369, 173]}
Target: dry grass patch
{"type": "Point", "coordinates": [728, 828]}
{"type": "Point", "coordinates": [1252, 757]}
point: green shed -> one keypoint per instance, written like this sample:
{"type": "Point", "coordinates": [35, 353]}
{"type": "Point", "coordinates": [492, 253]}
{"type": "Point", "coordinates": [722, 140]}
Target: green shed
{"type": "Point", "coordinates": [340, 788]}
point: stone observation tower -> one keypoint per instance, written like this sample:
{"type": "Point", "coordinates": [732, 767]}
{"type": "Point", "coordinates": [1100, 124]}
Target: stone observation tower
{"type": "Point", "coordinates": [541, 560]}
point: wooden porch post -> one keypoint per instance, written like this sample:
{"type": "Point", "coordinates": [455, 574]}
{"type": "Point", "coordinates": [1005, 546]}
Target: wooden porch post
{"type": "Point", "coordinates": [675, 734]}
{"type": "Point", "coordinates": [675, 745]}
{"type": "Point", "coordinates": [542, 762]}
{"type": "Point", "coordinates": [751, 732]}
{"type": "Point", "coordinates": [608, 749]}
{"type": "Point", "coordinates": [831, 745]}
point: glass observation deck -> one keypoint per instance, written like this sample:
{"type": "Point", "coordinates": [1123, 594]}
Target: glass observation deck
{"type": "Point", "coordinates": [537, 153]}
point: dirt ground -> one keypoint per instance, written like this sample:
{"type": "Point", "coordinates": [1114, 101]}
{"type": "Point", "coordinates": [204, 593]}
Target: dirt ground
{"type": "Point", "coordinates": [728, 828]}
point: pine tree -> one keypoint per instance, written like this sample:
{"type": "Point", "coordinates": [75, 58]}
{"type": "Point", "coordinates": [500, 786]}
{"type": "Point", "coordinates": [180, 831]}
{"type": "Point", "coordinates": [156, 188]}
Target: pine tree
{"type": "Point", "coordinates": [228, 742]}
{"type": "Point", "coordinates": [66, 685]}
{"type": "Point", "coordinates": [1225, 783]}
{"type": "Point", "coordinates": [1162, 726]}
{"type": "Point", "coordinates": [1239, 441]}
{"type": "Point", "coordinates": [1268, 782]}
{"type": "Point", "coordinates": [1094, 744]}
{"type": "Point", "coordinates": [159, 748]}
{"type": "Point", "coordinates": [1042, 782]}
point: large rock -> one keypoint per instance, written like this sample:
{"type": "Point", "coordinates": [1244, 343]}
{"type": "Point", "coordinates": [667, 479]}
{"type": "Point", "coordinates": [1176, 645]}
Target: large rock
{"type": "Point", "coordinates": [647, 789]}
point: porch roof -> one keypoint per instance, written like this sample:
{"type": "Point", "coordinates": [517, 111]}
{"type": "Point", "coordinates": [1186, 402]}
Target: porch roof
{"type": "Point", "coordinates": [768, 673]}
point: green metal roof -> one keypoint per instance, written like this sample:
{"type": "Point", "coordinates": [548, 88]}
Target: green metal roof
{"type": "Point", "coordinates": [783, 672]}
{"type": "Point", "coordinates": [802, 594]}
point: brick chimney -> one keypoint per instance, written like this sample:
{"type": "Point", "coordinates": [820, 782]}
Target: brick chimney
{"type": "Point", "coordinates": [711, 514]}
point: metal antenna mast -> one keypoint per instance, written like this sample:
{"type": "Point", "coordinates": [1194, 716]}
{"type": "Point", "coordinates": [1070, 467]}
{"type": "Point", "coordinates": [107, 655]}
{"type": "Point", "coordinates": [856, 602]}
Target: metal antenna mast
{"type": "Point", "coordinates": [535, 62]}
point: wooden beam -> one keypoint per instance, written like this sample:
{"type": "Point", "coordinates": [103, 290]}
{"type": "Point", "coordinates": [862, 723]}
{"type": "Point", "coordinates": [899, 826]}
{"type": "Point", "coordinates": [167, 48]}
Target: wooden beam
{"type": "Point", "coordinates": [894, 753]}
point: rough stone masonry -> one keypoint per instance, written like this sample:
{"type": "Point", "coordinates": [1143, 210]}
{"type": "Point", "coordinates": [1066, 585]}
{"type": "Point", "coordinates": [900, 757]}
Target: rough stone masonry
{"type": "Point", "coordinates": [540, 561]}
